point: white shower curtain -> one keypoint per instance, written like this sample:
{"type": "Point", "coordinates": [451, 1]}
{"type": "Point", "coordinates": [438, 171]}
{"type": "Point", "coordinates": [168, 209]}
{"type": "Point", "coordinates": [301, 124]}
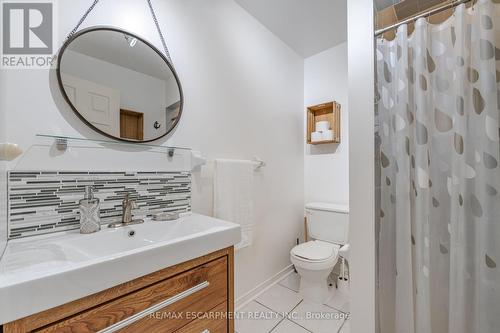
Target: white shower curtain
{"type": "Point", "coordinates": [439, 120]}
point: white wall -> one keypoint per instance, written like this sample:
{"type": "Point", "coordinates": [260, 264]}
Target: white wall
{"type": "Point", "coordinates": [243, 97]}
{"type": "Point", "coordinates": [362, 162]}
{"type": "Point", "coordinates": [151, 99]}
{"type": "Point", "coordinates": [326, 167]}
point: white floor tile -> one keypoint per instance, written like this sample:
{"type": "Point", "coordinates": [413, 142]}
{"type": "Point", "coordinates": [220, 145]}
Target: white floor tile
{"type": "Point", "coordinates": [279, 299]}
{"type": "Point", "coordinates": [317, 318]}
{"type": "Point", "coordinates": [339, 301]}
{"type": "Point", "coordinates": [347, 327]}
{"type": "Point", "coordinates": [286, 326]}
{"type": "Point", "coordinates": [292, 281]}
{"type": "Point", "coordinates": [256, 318]}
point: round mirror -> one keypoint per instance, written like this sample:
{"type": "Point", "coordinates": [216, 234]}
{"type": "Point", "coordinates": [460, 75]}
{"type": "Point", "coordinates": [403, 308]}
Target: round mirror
{"type": "Point", "coordinates": [120, 84]}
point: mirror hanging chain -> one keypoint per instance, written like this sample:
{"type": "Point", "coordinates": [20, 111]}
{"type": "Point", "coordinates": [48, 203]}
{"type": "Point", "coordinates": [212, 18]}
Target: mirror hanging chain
{"type": "Point", "coordinates": [82, 19]}
{"type": "Point", "coordinates": [153, 14]}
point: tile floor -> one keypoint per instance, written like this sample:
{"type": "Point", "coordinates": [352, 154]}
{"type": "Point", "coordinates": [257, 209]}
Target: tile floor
{"type": "Point", "coordinates": [281, 309]}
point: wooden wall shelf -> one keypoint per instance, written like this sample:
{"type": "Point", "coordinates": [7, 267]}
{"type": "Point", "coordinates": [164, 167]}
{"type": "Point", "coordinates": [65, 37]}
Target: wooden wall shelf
{"type": "Point", "coordinates": [324, 112]}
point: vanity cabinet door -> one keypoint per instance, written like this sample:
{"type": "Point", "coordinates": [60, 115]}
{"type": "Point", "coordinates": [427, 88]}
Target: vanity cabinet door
{"type": "Point", "coordinates": [214, 321]}
{"type": "Point", "coordinates": [163, 307]}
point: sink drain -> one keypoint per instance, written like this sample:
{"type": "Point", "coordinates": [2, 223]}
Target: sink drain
{"type": "Point", "coordinates": [131, 233]}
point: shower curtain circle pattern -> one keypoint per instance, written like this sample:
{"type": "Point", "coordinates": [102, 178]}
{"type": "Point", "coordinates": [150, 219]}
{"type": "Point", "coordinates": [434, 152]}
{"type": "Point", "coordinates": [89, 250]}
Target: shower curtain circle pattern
{"type": "Point", "coordinates": [438, 118]}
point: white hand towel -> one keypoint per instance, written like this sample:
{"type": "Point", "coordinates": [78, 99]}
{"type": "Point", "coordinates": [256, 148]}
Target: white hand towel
{"type": "Point", "coordinates": [233, 195]}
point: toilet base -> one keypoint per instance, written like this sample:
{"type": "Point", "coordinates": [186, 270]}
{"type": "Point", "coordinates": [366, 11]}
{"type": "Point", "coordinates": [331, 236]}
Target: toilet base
{"type": "Point", "coordinates": [314, 285]}
{"type": "Point", "coordinates": [314, 292]}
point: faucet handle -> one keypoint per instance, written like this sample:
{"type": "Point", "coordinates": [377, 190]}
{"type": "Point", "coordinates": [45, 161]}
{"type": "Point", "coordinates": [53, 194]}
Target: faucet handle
{"type": "Point", "coordinates": [127, 202]}
{"type": "Point", "coordinates": [127, 216]}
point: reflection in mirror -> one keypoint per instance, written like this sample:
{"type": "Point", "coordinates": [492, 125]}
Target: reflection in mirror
{"type": "Point", "coordinates": [120, 85]}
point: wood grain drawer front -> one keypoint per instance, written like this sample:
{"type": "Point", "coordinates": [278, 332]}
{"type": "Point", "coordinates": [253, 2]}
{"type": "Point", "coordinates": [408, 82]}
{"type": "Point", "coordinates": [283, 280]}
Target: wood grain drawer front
{"type": "Point", "coordinates": [214, 321]}
{"type": "Point", "coordinates": [197, 290]}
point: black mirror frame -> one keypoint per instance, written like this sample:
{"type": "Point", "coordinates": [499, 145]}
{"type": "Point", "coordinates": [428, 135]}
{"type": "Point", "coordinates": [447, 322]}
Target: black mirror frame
{"type": "Point", "coordinates": [108, 28]}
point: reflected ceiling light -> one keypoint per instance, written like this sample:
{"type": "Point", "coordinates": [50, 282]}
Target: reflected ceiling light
{"type": "Point", "coordinates": [130, 40]}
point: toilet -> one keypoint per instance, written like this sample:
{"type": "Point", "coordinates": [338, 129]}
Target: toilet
{"type": "Point", "coordinates": [328, 226]}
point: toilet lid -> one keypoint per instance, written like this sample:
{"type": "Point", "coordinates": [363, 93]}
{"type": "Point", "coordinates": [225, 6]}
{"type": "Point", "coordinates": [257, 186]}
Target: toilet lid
{"type": "Point", "coordinates": [315, 250]}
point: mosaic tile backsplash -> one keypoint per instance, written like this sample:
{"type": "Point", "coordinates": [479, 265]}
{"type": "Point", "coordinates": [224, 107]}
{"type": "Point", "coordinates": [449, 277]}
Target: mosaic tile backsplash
{"type": "Point", "coordinates": [46, 202]}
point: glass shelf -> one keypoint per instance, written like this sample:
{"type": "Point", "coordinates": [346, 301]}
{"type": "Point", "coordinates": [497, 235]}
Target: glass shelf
{"type": "Point", "coordinates": [62, 142]}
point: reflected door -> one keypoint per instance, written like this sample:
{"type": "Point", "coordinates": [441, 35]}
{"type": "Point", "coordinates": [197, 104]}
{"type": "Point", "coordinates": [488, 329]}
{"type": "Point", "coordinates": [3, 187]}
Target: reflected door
{"type": "Point", "coordinates": [131, 125]}
{"type": "Point", "coordinates": [98, 104]}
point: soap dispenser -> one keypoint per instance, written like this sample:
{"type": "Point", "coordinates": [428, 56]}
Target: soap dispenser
{"type": "Point", "coordinates": [90, 220]}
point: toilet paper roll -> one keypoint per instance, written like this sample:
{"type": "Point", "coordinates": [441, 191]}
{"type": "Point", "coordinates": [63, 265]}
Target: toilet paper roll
{"type": "Point", "coordinates": [316, 136]}
{"type": "Point", "coordinates": [322, 126]}
{"type": "Point", "coordinates": [327, 135]}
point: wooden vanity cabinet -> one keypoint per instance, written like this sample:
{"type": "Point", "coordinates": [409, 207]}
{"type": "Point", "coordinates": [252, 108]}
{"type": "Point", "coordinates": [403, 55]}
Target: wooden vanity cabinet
{"type": "Point", "coordinates": [195, 296]}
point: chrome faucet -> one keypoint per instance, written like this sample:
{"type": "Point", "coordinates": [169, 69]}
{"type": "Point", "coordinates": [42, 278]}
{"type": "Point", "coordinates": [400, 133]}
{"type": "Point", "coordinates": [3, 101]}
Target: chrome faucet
{"type": "Point", "coordinates": [127, 205]}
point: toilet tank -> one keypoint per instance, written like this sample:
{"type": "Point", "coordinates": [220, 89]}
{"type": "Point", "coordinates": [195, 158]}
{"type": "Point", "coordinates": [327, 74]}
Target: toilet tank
{"type": "Point", "coordinates": [328, 222]}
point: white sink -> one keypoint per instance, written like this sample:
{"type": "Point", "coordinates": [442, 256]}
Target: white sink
{"type": "Point", "coordinates": [63, 267]}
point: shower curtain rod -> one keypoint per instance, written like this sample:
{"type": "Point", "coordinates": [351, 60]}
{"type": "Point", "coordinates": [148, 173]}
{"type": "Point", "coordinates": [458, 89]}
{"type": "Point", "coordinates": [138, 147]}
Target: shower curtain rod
{"type": "Point", "coordinates": [436, 10]}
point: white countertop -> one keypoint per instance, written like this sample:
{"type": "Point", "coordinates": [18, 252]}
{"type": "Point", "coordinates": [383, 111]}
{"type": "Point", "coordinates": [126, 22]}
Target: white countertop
{"type": "Point", "coordinates": [42, 272]}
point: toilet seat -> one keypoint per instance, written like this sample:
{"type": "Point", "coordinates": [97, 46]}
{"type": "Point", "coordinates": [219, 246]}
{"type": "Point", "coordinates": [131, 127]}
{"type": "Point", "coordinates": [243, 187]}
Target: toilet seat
{"type": "Point", "coordinates": [315, 255]}
{"type": "Point", "coordinates": [316, 251]}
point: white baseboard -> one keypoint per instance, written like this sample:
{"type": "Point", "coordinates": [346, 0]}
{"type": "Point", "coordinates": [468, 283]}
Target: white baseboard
{"type": "Point", "coordinates": [262, 287]}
